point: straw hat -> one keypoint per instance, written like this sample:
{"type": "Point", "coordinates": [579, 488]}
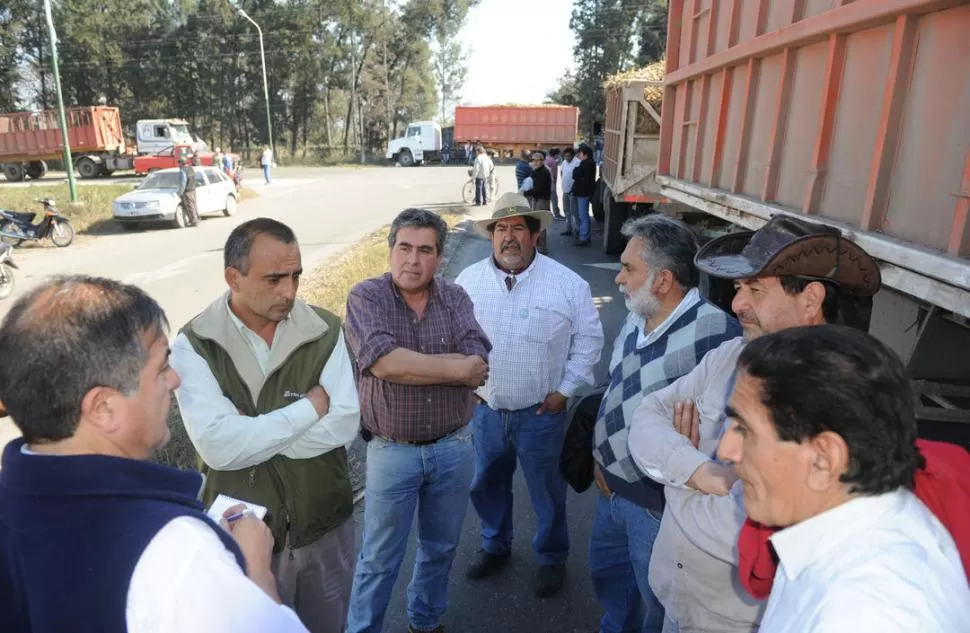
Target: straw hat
{"type": "Point", "coordinates": [511, 205]}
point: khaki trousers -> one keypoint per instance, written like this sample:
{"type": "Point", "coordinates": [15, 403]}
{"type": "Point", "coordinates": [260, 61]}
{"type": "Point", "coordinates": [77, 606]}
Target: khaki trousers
{"type": "Point", "coordinates": [315, 580]}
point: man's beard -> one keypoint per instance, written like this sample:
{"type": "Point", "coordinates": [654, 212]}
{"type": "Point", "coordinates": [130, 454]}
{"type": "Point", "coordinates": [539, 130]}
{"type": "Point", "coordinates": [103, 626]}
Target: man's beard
{"type": "Point", "coordinates": [642, 301]}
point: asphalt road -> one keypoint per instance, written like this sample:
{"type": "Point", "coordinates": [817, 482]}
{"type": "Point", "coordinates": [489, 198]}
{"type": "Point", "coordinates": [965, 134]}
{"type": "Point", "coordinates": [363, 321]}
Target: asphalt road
{"type": "Point", "coordinates": [506, 602]}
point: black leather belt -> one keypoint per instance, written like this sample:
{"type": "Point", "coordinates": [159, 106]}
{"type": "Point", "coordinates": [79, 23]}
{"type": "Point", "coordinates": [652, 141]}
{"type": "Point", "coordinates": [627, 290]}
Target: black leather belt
{"type": "Point", "coordinates": [415, 442]}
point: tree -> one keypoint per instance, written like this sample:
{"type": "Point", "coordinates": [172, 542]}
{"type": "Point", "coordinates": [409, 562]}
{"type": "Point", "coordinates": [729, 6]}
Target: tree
{"type": "Point", "coordinates": [10, 59]}
{"type": "Point", "coordinates": [450, 70]}
{"type": "Point", "coordinates": [566, 91]}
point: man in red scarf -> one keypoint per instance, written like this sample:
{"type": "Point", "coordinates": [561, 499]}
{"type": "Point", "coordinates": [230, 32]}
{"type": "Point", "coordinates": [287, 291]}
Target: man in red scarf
{"type": "Point", "coordinates": [822, 435]}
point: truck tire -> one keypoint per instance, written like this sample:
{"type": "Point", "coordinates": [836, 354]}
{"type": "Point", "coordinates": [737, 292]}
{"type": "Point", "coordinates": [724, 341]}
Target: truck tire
{"type": "Point", "coordinates": [596, 202]}
{"type": "Point", "coordinates": [406, 158]}
{"type": "Point", "coordinates": [87, 168]}
{"type": "Point", "coordinates": [614, 215]}
{"type": "Point", "coordinates": [13, 172]}
{"type": "Point", "coordinates": [36, 169]}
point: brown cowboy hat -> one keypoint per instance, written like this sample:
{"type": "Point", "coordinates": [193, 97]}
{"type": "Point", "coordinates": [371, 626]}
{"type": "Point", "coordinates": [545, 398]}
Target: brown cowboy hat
{"type": "Point", "coordinates": [511, 205]}
{"type": "Point", "coordinates": [791, 246]}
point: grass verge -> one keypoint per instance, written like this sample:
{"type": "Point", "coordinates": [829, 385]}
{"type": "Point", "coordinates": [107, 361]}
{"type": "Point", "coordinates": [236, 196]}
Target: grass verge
{"type": "Point", "coordinates": [327, 286]}
{"type": "Point", "coordinates": [92, 212]}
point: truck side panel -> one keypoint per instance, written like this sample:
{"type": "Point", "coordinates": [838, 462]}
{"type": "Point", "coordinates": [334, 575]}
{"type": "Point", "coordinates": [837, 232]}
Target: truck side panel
{"type": "Point", "coordinates": [855, 112]}
{"type": "Point", "coordinates": [29, 136]}
{"type": "Point", "coordinates": [538, 125]}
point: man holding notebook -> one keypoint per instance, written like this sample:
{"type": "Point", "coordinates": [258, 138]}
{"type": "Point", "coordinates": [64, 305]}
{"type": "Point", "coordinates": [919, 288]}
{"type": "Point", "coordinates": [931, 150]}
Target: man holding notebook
{"type": "Point", "coordinates": [269, 399]}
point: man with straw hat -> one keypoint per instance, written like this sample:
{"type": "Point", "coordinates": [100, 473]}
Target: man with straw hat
{"type": "Point", "coordinates": [789, 273]}
{"type": "Point", "coordinates": [546, 338]}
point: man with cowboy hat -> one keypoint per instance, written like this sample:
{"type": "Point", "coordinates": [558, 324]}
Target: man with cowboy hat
{"type": "Point", "coordinates": [789, 273]}
{"type": "Point", "coordinates": [546, 338]}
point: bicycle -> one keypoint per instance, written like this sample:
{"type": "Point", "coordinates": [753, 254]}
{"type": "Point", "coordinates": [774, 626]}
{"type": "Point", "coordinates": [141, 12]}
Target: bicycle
{"type": "Point", "coordinates": [468, 191]}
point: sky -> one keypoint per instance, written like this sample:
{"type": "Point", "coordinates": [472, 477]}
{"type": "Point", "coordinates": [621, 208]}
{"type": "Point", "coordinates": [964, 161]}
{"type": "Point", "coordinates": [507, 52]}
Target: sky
{"type": "Point", "coordinates": [501, 37]}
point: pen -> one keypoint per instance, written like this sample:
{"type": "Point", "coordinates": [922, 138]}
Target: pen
{"type": "Point", "coordinates": [238, 515]}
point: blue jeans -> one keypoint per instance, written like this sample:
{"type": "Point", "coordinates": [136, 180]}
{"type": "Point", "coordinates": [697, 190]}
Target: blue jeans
{"type": "Point", "coordinates": [481, 191]}
{"type": "Point", "coordinates": [401, 477]}
{"type": "Point", "coordinates": [582, 211]}
{"type": "Point", "coordinates": [500, 437]}
{"type": "Point", "coordinates": [619, 561]}
{"type": "Point", "coordinates": [266, 173]}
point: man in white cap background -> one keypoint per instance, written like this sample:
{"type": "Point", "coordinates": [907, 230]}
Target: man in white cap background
{"type": "Point", "coordinates": [546, 338]}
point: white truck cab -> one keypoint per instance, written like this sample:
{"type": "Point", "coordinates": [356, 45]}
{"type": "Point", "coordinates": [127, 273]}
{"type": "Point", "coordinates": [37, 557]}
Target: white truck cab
{"type": "Point", "coordinates": [157, 135]}
{"type": "Point", "coordinates": [421, 142]}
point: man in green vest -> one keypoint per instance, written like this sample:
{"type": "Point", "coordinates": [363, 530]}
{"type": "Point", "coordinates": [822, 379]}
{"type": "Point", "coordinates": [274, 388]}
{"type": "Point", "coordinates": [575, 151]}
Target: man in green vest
{"type": "Point", "coordinates": [269, 400]}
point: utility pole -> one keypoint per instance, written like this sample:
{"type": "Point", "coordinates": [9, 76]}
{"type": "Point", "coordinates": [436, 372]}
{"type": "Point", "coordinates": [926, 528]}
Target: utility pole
{"type": "Point", "coordinates": [68, 163]}
{"type": "Point", "coordinates": [262, 54]}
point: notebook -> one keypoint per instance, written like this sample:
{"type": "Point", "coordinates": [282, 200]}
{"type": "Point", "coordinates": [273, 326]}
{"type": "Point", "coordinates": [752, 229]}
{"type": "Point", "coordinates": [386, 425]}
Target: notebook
{"type": "Point", "coordinates": [224, 502]}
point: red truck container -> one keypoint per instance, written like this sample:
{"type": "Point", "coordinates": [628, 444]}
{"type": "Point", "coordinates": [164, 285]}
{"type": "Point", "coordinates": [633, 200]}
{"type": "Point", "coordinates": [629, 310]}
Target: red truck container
{"type": "Point", "coordinates": [27, 139]}
{"type": "Point", "coordinates": [508, 130]}
{"type": "Point", "coordinates": [857, 115]}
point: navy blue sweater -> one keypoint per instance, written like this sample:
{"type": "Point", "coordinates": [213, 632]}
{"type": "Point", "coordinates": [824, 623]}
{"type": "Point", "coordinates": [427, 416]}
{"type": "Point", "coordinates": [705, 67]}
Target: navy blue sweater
{"type": "Point", "coordinates": [73, 528]}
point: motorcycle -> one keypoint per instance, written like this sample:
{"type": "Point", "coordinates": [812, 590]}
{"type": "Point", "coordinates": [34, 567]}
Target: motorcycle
{"type": "Point", "coordinates": [15, 227]}
{"type": "Point", "coordinates": [6, 270]}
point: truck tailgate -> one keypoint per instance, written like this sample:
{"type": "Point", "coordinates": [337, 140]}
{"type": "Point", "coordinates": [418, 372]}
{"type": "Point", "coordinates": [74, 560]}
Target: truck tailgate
{"type": "Point", "coordinates": [856, 113]}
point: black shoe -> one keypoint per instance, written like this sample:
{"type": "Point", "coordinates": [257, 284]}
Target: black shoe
{"type": "Point", "coordinates": [438, 629]}
{"type": "Point", "coordinates": [567, 232]}
{"type": "Point", "coordinates": [550, 580]}
{"type": "Point", "coordinates": [488, 564]}
{"type": "Point", "coordinates": [581, 243]}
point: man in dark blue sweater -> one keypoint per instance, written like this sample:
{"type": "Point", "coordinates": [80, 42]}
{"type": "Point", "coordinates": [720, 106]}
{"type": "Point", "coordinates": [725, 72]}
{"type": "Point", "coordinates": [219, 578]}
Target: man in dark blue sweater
{"type": "Point", "coordinates": [93, 537]}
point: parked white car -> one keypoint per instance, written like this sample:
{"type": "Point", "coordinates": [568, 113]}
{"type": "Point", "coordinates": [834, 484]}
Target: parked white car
{"type": "Point", "coordinates": [156, 198]}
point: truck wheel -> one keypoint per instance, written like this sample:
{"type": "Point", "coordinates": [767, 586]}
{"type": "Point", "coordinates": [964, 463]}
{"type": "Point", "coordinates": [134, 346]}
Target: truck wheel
{"type": "Point", "coordinates": [614, 215]}
{"type": "Point", "coordinates": [87, 168]}
{"type": "Point", "coordinates": [36, 169]}
{"type": "Point", "coordinates": [596, 202]}
{"type": "Point", "coordinates": [406, 158]}
{"type": "Point", "coordinates": [13, 172]}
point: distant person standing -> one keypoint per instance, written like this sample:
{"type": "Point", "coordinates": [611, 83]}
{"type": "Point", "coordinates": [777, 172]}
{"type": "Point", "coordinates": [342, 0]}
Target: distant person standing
{"type": "Point", "coordinates": [266, 162]}
{"type": "Point", "coordinates": [482, 170]}
{"type": "Point", "coordinates": [552, 164]}
{"type": "Point", "coordinates": [584, 184]}
{"type": "Point", "coordinates": [541, 191]}
{"type": "Point", "coordinates": [187, 190]}
{"type": "Point", "coordinates": [569, 163]}
{"type": "Point", "coordinates": [522, 169]}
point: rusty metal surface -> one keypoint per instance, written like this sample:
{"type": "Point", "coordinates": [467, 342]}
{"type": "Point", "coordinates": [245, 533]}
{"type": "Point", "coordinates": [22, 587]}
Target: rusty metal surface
{"type": "Point", "coordinates": [857, 112]}
{"type": "Point", "coordinates": [542, 126]}
{"type": "Point", "coordinates": [26, 136]}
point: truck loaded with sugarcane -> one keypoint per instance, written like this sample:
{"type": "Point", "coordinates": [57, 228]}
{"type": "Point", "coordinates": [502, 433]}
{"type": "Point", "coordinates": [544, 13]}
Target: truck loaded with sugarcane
{"type": "Point", "coordinates": [835, 115]}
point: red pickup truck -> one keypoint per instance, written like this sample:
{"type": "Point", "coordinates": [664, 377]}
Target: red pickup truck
{"type": "Point", "coordinates": [169, 158]}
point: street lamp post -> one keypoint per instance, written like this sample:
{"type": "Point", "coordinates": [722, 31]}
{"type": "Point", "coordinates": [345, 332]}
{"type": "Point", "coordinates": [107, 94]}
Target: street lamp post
{"type": "Point", "coordinates": [62, 120]}
{"type": "Point", "coordinates": [262, 54]}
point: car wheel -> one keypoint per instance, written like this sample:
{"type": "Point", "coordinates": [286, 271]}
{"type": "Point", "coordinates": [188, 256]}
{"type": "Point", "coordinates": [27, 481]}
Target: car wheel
{"type": "Point", "coordinates": [230, 209]}
{"type": "Point", "coordinates": [181, 217]}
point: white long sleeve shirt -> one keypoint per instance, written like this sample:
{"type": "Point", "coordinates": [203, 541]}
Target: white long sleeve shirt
{"type": "Point", "coordinates": [880, 564]}
{"type": "Point", "coordinates": [567, 168]}
{"type": "Point", "coordinates": [228, 440]}
{"type": "Point", "coordinates": [546, 333]}
{"type": "Point", "coordinates": [186, 581]}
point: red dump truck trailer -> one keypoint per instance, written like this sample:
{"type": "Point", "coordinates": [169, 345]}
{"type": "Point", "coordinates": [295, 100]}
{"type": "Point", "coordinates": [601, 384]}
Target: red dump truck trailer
{"type": "Point", "coordinates": [509, 129]}
{"type": "Point", "coordinates": [853, 114]}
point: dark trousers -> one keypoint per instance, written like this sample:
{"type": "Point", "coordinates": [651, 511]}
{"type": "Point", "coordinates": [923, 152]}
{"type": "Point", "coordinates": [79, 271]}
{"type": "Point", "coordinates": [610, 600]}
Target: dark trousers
{"type": "Point", "coordinates": [481, 191]}
{"type": "Point", "coordinates": [190, 206]}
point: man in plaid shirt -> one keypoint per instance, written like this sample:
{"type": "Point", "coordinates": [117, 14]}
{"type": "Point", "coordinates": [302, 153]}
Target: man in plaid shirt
{"type": "Point", "coordinates": [418, 354]}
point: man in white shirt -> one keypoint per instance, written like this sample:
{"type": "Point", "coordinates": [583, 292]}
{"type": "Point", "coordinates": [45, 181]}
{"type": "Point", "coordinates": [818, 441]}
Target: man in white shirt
{"type": "Point", "coordinates": [482, 171]}
{"type": "Point", "coordinates": [822, 433]}
{"type": "Point", "coordinates": [269, 400]}
{"type": "Point", "coordinates": [789, 273]}
{"type": "Point", "coordinates": [94, 537]}
{"type": "Point", "coordinates": [569, 163]}
{"type": "Point", "coordinates": [266, 162]}
{"type": "Point", "coordinates": [546, 338]}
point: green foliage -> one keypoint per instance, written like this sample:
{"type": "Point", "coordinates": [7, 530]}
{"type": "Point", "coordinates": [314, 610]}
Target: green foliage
{"type": "Point", "coordinates": [341, 73]}
{"type": "Point", "coordinates": [611, 36]}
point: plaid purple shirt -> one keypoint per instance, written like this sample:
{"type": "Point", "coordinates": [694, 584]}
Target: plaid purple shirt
{"type": "Point", "coordinates": [379, 321]}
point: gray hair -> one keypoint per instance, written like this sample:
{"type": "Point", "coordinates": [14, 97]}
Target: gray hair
{"type": "Point", "coordinates": [419, 219]}
{"type": "Point", "coordinates": [65, 337]}
{"type": "Point", "coordinates": [240, 241]}
{"type": "Point", "coordinates": [668, 244]}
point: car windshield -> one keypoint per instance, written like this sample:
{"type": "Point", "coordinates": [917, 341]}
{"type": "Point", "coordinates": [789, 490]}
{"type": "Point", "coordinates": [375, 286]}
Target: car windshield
{"type": "Point", "coordinates": [168, 180]}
